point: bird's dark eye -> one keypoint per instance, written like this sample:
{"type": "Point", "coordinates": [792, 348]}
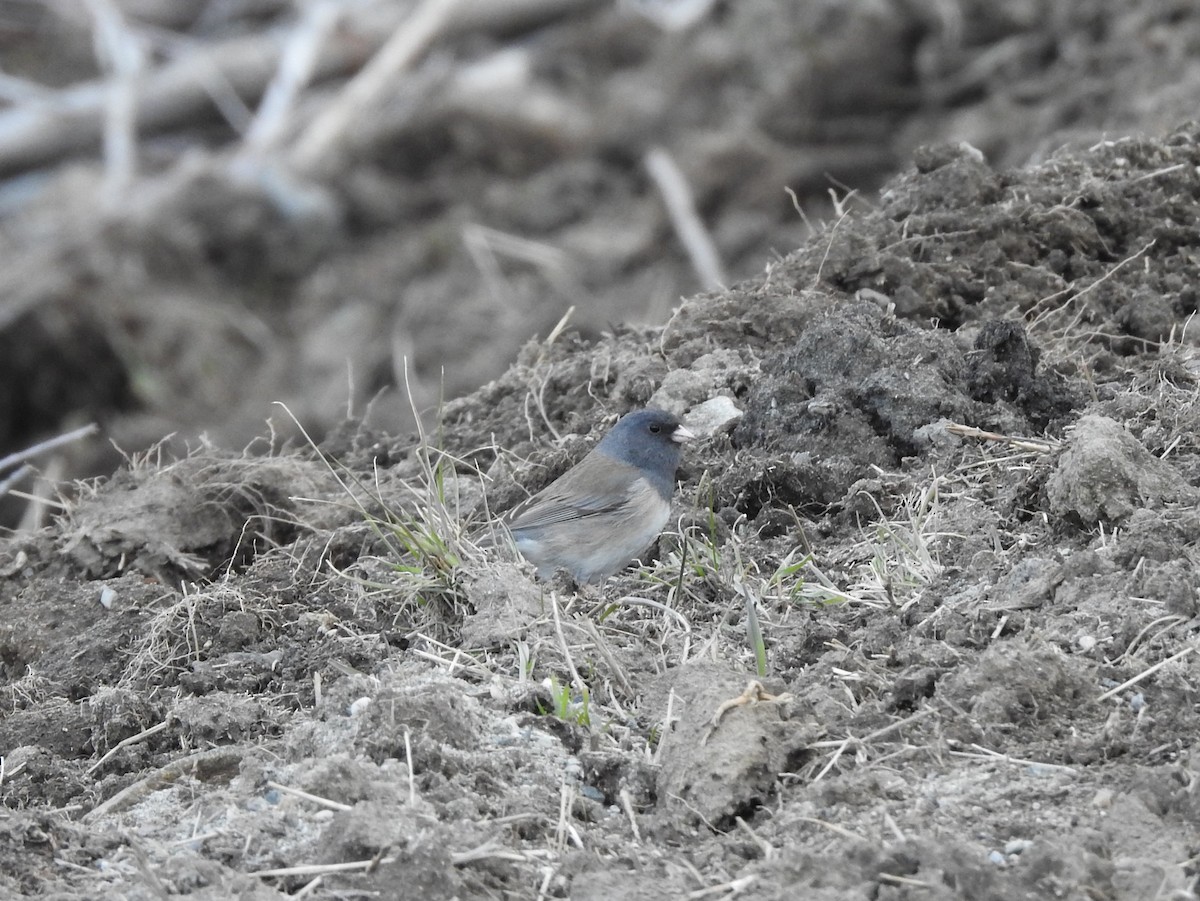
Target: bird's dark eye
{"type": "Point", "coordinates": [656, 429]}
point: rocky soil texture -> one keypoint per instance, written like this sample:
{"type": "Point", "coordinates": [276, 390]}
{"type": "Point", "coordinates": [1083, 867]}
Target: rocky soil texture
{"type": "Point", "coordinates": [960, 508]}
{"type": "Point", "coordinates": [925, 622]}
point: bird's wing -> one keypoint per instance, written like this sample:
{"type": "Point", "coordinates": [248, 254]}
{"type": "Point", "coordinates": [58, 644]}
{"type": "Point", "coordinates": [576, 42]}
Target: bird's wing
{"type": "Point", "coordinates": [584, 491]}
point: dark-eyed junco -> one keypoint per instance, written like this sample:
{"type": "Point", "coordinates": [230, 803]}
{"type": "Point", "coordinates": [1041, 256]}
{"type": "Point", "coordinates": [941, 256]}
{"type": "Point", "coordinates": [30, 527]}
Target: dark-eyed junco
{"type": "Point", "coordinates": [610, 506]}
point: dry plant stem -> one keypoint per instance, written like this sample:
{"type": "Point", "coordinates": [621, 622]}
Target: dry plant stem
{"type": "Point", "coordinates": [618, 672]}
{"type": "Point", "coordinates": [833, 827]}
{"type": "Point", "coordinates": [147, 871]}
{"type": "Point", "coordinates": [412, 778]}
{"type": "Point", "coordinates": [296, 68]}
{"type": "Point", "coordinates": [212, 760]}
{"type": "Point", "coordinates": [489, 850]}
{"type": "Point", "coordinates": [563, 825]}
{"type": "Point", "coordinates": [15, 477]}
{"type": "Point", "coordinates": [402, 50]}
{"type": "Point", "coordinates": [49, 444]}
{"type": "Point", "coordinates": [320, 868]}
{"type": "Point", "coordinates": [309, 887]}
{"type": "Point", "coordinates": [635, 601]}
{"type": "Point", "coordinates": [829, 245]}
{"type": "Point", "coordinates": [1164, 624]}
{"type": "Point", "coordinates": [74, 867]}
{"type": "Point", "coordinates": [315, 799]}
{"type": "Point", "coordinates": [895, 829]}
{"type": "Point", "coordinates": [123, 57]}
{"type": "Point", "coordinates": [487, 246]}
{"type": "Point", "coordinates": [681, 207]}
{"type": "Point", "coordinates": [1028, 444]}
{"type": "Point", "coordinates": [196, 839]}
{"type": "Point", "coordinates": [1149, 671]}
{"type": "Point", "coordinates": [1048, 301]}
{"type": "Point", "coordinates": [40, 502]}
{"type": "Point", "coordinates": [668, 723]}
{"type": "Point", "coordinates": [904, 880]}
{"type": "Point", "coordinates": [728, 889]}
{"type": "Point", "coordinates": [33, 135]}
{"type": "Point", "coordinates": [576, 679]}
{"type": "Point", "coordinates": [768, 850]}
{"type": "Point", "coordinates": [840, 745]}
{"type": "Point", "coordinates": [627, 805]}
{"type": "Point", "coordinates": [982, 753]}
{"type": "Point", "coordinates": [53, 124]}
{"type": "Point", "coordinates": [125, 743]}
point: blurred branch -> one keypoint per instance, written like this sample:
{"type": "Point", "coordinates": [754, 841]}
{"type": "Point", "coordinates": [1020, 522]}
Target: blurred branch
{"type": "Point", "coordinates": [296, 68]}
{"type": "Point", "coordinates": [402, 49]}
{"type": "Point", "coordinates": [48, 445]}
{"type": "Point", "coordinates": [118, 50]}
{"type": "Point", "coordinates": [55, 124]}
{"type": "Point", "coordinates": [681, 207]}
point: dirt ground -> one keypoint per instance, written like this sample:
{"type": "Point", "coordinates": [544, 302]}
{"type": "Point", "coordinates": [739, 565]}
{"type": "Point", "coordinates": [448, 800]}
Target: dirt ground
{"type": "Point", "coordinates": [959, 504]}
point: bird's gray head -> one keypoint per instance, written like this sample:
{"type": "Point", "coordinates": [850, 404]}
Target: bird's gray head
{"type": "Point", "coordinates": [651, 440]}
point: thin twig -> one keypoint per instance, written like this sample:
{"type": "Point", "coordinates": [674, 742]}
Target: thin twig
{"type": "Point", "coordinates": [627, 805]}
{"type": "Point", "coordinates": [833, 827]}
{"type": "Point", "coordinates": [403, 48]}
{"type": "Point", "coordinates": [296, 67]}
{"type": "Point", "coordinates": [312, 869]}
{"type": "Point", "coordinates": [982, 753]}
{"type": "Point", "coordinates": [412, 778]}
{"type": "Point", "coordinates": [1149, 671]}
{"type": "Point", "coordinates": [1067, 290]}
{"type": "Point", "coordinates": [681, 208]}
{"type": "Point", "coordinates": [1039, 445]}
{"type": "Point", "coordinates": [315, 799]}
{"type": "Point", "coordinates": [12, 479]}
{"type": "Point", "coordinates": [576, 679]}
{"type": "Point", "coordinates": [729, 889]}
{"type": "Point", "coordinates": [124, 743]}
{"type": "Point", "coordinates": [840, 745]}
{"type": "Point", "coordinates": [633, 600]}
{"type": "Point", "coordinates": [213, 759]}
{"type": "Point", "coordinates": [49, 444]}
{"type": "Point", "coordinates": [121, 54]}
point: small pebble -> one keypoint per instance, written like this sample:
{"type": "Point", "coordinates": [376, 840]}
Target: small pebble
{"type": "Point", "coordinates": [359, 706]}
{"type": "Point", "coordinates": [715, 415]}
{"type": "Point", "coordinates": [1017, 846]}
{"type": "Point", "coordinates": [997, 858]}
{"type": "Point", "coordinates": [1103, 799]}
{"type": "Point", "coordinates": [107, 596]}
{"type": "Point", "coordinates": [1137, 702]}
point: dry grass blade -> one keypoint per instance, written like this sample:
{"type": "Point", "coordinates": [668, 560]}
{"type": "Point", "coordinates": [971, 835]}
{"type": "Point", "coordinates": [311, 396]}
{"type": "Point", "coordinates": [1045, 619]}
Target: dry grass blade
{"type": "Point", "coordinates": [1038, 445]}
{"type": "Point", "coordinates": [1146, 673]}
{"type": "Point", "coordinates": [315, 799]}
{"type": "Point", "coordinates": [48, 445]}
{"type": "Point", "coordinates": [725, 889]}
{"type": "Point", "coordinates": [313, 869]}
{"type": "Point", "coordinates": [840, 746]}
{"type": "Point", "coordinates": [979, 752]}
{"type": "Point", "coordinates": [1048, 306]}
{"type": "Point", "coordinates": [131, 740]}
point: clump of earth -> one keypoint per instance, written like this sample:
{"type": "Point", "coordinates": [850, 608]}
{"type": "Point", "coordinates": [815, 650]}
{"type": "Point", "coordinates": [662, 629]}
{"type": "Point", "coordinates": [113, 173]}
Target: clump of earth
{"type": "Point", "coordinates": [958, 506]}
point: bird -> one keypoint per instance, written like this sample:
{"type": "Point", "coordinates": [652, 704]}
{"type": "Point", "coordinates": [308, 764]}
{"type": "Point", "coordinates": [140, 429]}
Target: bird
{"type": "Point", "coordinates": [610, 506]}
